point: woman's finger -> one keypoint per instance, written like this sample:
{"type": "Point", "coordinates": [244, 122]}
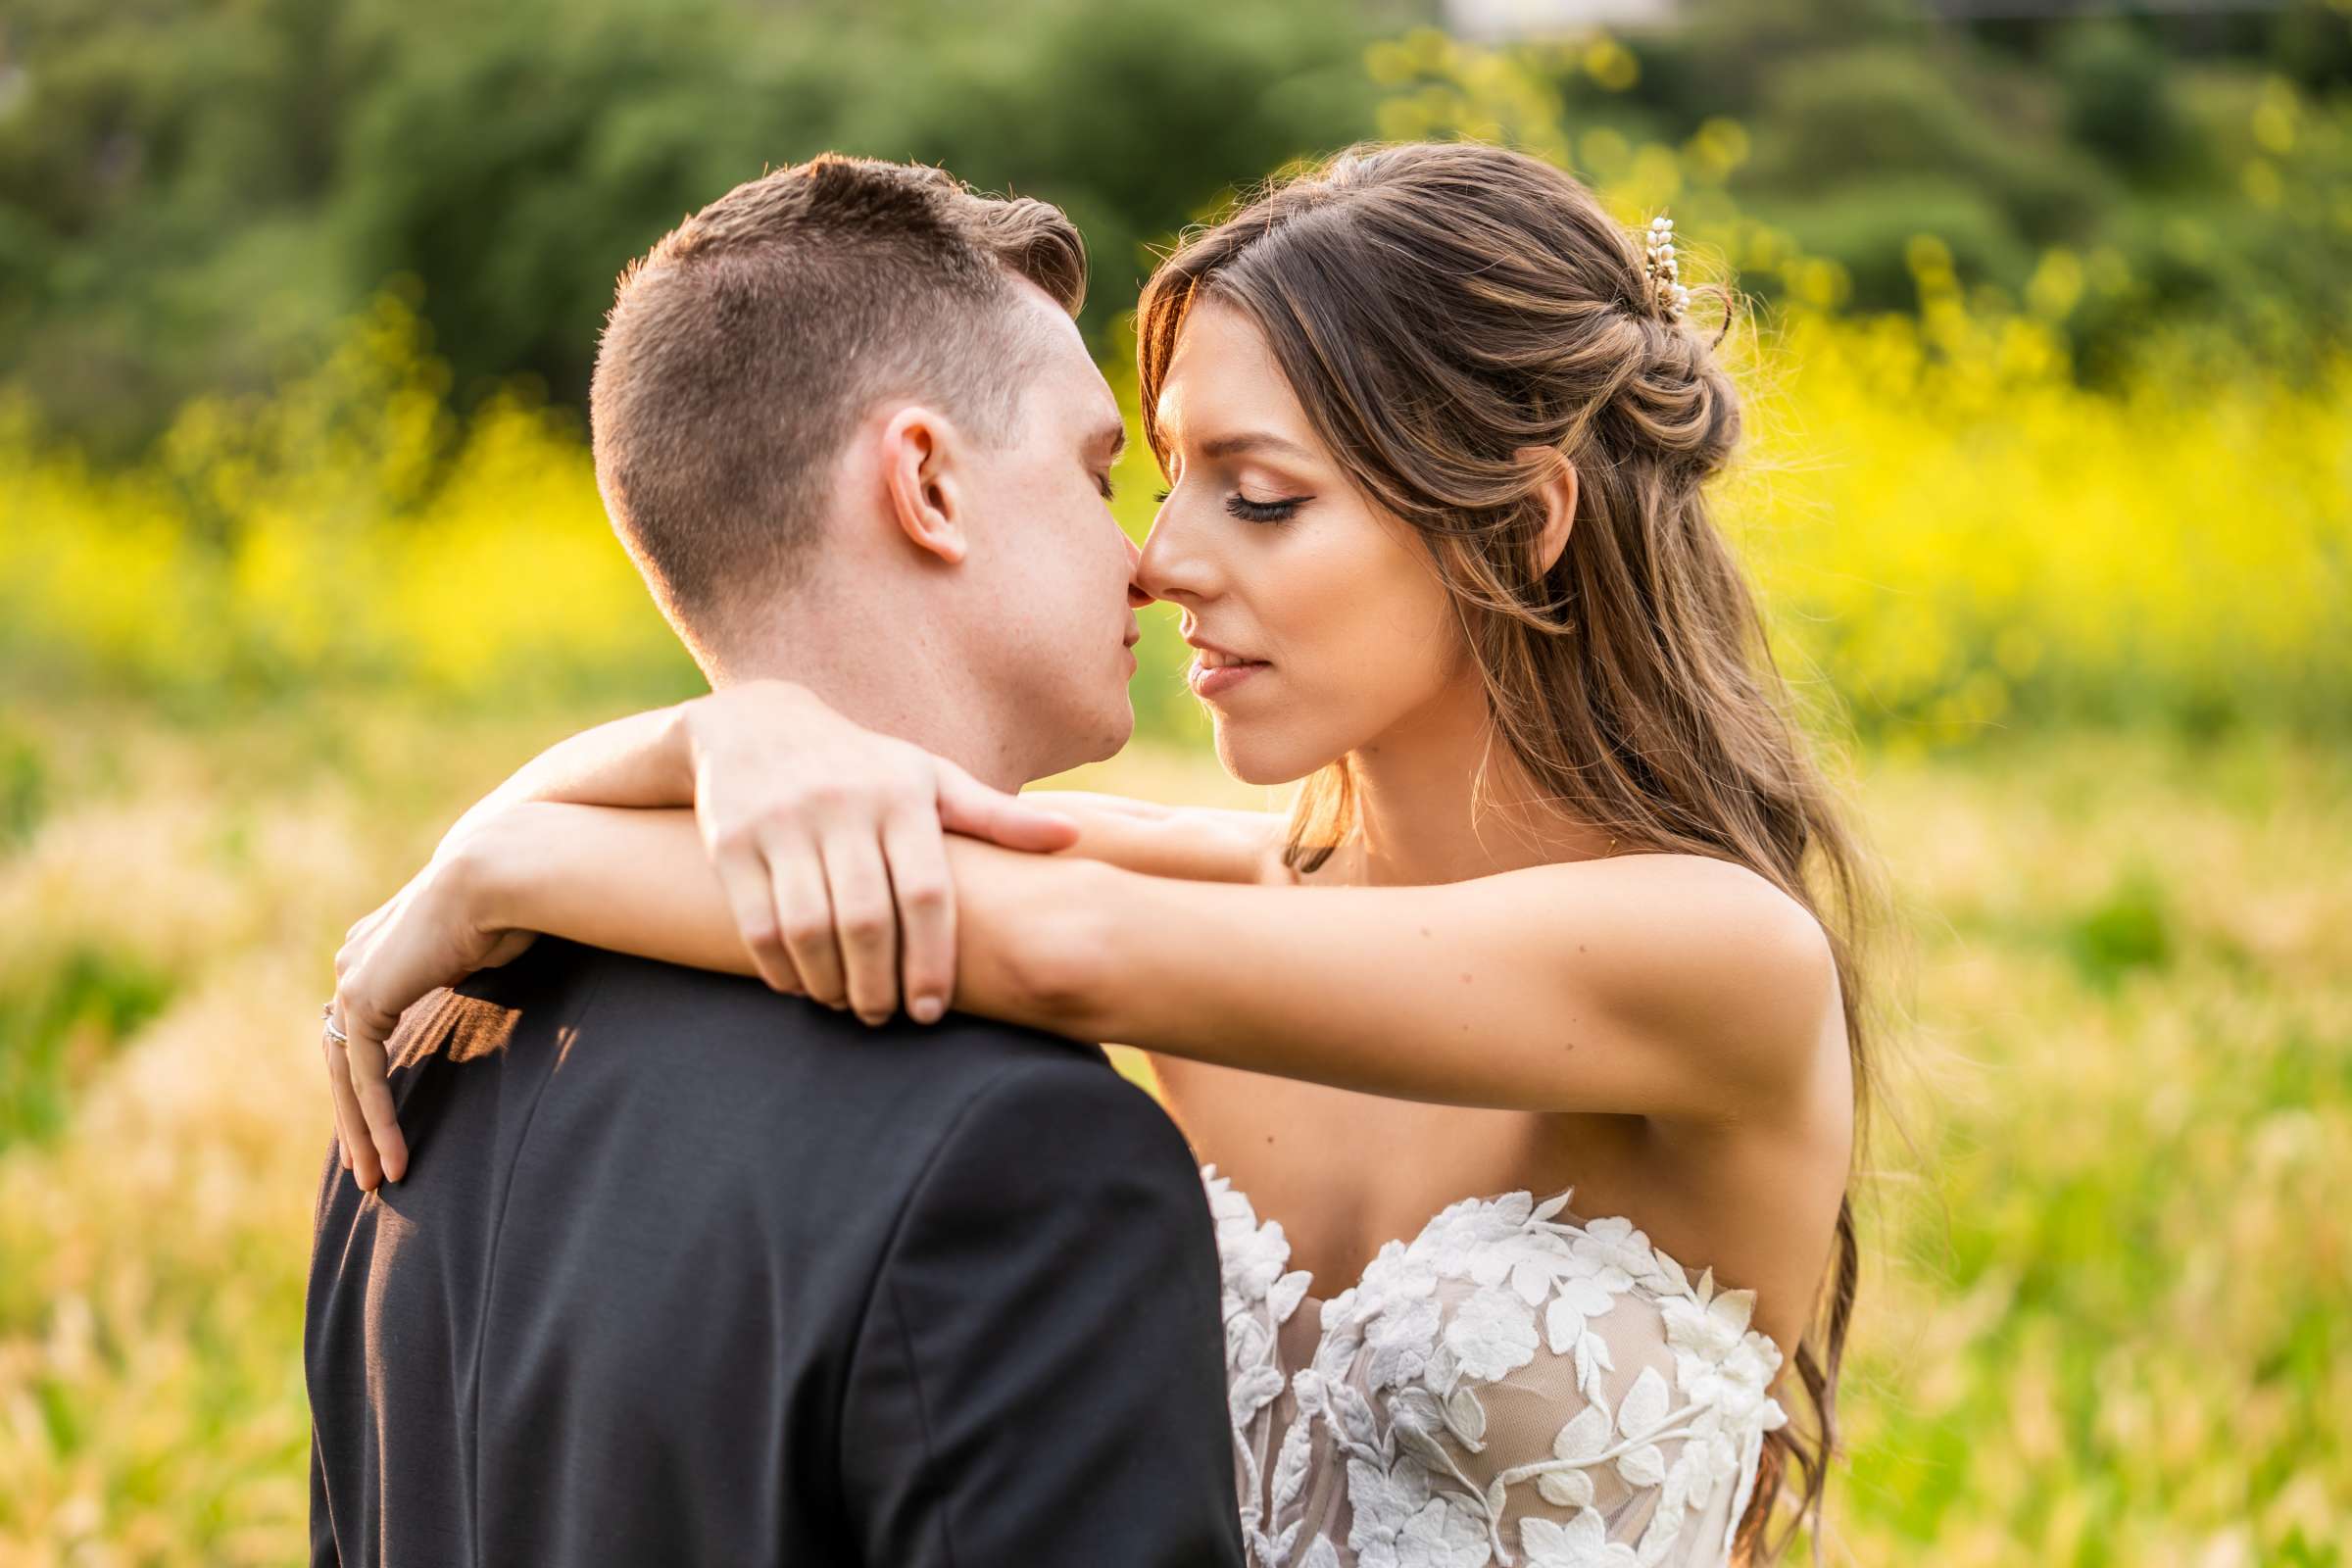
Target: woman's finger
{"type": "Point", "coordinates": [925, 895]}
{"type": "Point", "coordinates": [805, 915]}
{"type": "Point", "coordinates": [970, 808]}
{"type": "Point", "coordinates": [327, 1051]}
{"type": "Point", "coordinates": [866, 924]}
{"type": "Point", "coordinates": [743, 874]}
{"type": "Point", "coordinates": [351, 1122]}
{"type": "Point", "coordinates": [368, 1026]}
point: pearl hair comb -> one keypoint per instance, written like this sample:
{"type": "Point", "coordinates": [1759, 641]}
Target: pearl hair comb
{"type": "Point", "coordinates": [1666, 289]}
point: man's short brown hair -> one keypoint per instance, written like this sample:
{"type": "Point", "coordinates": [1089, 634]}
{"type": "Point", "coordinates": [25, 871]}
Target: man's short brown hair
{"type": "Point", "coordinates": [744, 348]}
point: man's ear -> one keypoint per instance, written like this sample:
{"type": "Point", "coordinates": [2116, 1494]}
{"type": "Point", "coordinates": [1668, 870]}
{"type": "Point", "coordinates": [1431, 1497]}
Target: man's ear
{"type": "Point", "coordinates": [920, 456]}
{"type": "Point", "coordinates": [1558, 496]}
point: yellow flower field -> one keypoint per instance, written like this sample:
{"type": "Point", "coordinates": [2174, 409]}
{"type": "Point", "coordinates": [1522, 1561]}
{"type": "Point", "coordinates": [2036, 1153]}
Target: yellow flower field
{"type": "Point", "coordinates": [1951, 534]}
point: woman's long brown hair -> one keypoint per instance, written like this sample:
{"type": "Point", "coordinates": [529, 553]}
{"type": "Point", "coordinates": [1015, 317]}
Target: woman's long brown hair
{"type": "Point", "coordinates": [1439, 309]}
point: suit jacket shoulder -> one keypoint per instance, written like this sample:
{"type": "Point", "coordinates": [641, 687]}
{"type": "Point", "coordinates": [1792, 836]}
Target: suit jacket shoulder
{"type": "Point", "coordinates": [1039, 1374]}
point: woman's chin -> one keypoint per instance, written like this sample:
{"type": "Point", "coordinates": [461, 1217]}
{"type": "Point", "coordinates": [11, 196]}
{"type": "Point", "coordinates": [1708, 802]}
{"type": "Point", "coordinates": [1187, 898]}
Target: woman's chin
{"type": "Point", "coordinates": [1253, 756]}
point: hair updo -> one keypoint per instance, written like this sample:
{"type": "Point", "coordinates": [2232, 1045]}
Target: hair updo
{"type": "Point", "coordinates": [1456, 320]}
{"type": "Point", "coordinates": [1678, 403]}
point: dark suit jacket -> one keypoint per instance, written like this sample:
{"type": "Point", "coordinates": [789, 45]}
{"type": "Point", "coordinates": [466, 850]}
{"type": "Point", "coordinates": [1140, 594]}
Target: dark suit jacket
{"type": "Point", "coordinates": [684, 1271]}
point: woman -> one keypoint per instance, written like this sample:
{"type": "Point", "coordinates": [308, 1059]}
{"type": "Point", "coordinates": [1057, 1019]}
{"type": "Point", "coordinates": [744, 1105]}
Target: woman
{"type": "Point", "coordinates": [1436, 431]}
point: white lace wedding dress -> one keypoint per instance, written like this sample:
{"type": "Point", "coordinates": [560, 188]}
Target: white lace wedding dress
{"type": "Point", "coordinates": [1514, 1386]}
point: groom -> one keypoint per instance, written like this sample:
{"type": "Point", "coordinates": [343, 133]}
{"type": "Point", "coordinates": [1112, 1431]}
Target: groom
{"type": "Point", "coordinates": [686, 1271]}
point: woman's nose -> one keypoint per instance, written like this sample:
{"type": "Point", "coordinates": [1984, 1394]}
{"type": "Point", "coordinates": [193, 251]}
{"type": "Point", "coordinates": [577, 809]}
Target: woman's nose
{"type": "Point", "coordinates": [1173, 565]}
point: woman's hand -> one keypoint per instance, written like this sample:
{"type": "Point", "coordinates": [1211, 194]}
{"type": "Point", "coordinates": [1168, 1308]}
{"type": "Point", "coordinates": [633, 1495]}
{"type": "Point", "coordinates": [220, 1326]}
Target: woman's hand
{"type": "Point", "coordinates": [829, 842]}
{"type": "Point", "coordinates": [429, 934]}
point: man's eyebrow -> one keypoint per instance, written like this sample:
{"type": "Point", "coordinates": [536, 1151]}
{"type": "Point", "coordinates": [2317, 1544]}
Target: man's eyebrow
{"type": "Point", "coordinates": [1112, 434]}
{"type": "Point", "coordinates": [1230, 445]}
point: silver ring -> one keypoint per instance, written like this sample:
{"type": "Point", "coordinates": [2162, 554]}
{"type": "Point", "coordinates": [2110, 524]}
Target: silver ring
{"type": "Point", "coordinates": [334, 1034]}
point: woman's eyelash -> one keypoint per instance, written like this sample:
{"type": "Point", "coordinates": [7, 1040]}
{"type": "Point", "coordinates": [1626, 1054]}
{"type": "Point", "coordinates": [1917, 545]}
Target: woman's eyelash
{"type": "Point", "coordinates": [1249, 511]}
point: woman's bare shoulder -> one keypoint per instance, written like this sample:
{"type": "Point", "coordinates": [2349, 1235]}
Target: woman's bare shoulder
{"type": "Point", "coordinates": [1693, 941]}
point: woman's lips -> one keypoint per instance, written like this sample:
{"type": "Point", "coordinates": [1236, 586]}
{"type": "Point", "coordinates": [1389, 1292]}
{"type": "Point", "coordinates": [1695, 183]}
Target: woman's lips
{"type": "Point", "coordinates": [1210, 681]}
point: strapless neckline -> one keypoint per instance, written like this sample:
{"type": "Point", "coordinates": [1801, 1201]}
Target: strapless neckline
{"type": "Point", "coordinates": [1552, 1208]}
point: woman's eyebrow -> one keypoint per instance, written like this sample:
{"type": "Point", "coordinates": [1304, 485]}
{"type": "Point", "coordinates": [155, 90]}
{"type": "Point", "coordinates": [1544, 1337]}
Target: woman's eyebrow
{"type": "Point", "coordinates": [1231, 445]}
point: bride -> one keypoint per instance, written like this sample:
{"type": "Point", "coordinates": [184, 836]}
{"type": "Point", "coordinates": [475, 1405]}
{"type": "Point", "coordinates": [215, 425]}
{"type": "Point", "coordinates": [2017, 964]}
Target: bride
{"type": "Point", "coordinates": [1527, 1051]}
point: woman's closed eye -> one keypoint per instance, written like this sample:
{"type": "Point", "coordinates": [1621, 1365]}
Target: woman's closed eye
{"type": "Point", "coordinates": [1279, 509]}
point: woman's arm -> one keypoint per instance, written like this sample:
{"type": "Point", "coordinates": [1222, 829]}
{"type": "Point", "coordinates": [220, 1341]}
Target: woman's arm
{"type": "Point", "coordinates": [1671, 986]}
{"type": "Point", "coordinates": [800, 808]}
{"type": "Point", "coordinates": [1194, 843]}
{"type": "Point", "coordinates": [1668, 986]}
{"type": "Point", "coordinates": [797, 804]}
{"type": "Point", "coordinates": [739, 749]}
{"type": "Point", "coordinates": [641, 759]}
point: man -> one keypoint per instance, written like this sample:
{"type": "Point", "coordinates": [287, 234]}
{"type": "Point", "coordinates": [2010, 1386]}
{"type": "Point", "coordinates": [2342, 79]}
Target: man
{"type": "Point", "coordinates": [678, 1269]}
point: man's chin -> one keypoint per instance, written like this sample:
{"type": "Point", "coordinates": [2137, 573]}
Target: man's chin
{"type": "Point", "coordinates": [1117, 733]}
{"type": "Point", "coordinates": [1097, 742]}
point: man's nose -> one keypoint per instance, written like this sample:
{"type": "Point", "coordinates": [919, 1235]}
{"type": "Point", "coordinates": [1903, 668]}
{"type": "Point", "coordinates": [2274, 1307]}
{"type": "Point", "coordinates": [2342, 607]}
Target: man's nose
{"type": "Point", "coordinates": [1137, 596]}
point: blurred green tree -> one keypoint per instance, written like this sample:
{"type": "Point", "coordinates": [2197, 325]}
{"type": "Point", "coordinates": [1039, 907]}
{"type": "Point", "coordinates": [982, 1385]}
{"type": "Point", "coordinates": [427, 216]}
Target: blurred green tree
{"type": "Point", "coordinates": [195, 193]}
{"type": "Point", "coordinates": [192, 191]}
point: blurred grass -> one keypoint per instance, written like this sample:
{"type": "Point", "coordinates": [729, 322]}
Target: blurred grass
{"type": "Point", "coordinates": [2103, 1317]}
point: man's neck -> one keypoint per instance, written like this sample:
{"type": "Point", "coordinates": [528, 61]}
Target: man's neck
{"type": "Point", "coordinates": [901, 688]}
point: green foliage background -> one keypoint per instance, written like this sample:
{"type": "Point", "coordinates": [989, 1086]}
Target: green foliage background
{"type": "Point", "coordinates": [195, 193]}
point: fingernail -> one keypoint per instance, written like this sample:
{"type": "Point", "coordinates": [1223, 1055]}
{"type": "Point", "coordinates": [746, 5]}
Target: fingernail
{"type": "Point", "coordinates": [926, 1009]}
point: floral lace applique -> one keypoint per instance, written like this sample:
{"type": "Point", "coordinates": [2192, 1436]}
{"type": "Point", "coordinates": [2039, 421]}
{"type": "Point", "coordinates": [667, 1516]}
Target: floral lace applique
{"type": "Point", "coordinates": [1396, 1396]}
